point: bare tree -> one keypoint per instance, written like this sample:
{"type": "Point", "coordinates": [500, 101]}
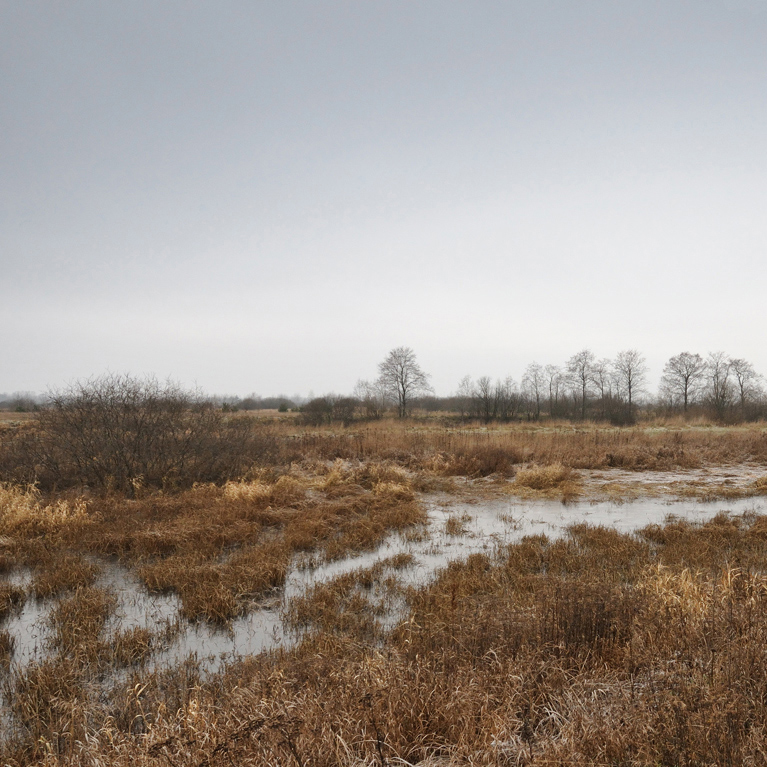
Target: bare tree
{"type": "Point", "coordinates": [630, 375]}
{"type": "Point", "coordinates": [580, 369]}
{"type": "Point", "coordinates": [401, 377]}
{"type": "Point", "coordinates": [683, 376]}
{"type": "Point", "coordinates": [718, 384]}
{"type": "Point", "coordinates": [603, 377]}
{"type": "Point", "coordinates": [534, 385]}
{"type": "Point", "coordinates": [507, 399]}
{"type": "Point", "coordinates": [553, 383]}
{"type": "Point", "coordinates": [463, 396]}
{"type": "Point", "coordinates": [746, 382]}
{"type": "Point", "coordinates": [372, 397]}
{"type": "Point", "coordinates": [484, 397]}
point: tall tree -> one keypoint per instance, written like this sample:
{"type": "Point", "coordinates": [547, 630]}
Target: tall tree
{"type": "Point", "coordinates": [533, 385]}
{"type": "Point", "coordinates": [718, 383]}
{"type": "Point", "coordinates": [553, 383]}
{"type": "Point", "coordinates": [683, 376]}
{"type": "Point", "coordinates": [580, 369]}
{"type": "Point", "coordinates": [746, 382]}
{"type": "Point", "coordinates": [463, 396]}
{"type": "Point", "coordinates": [603, 377]}
{"type": "Point", "coordinates": [630, 374]}
{"type": "Point", "coordinates": [506, 398]}
{"type": "Point", "coordinates": [401, 376]}
{"type": "Point", "coordinates": [485, 401]}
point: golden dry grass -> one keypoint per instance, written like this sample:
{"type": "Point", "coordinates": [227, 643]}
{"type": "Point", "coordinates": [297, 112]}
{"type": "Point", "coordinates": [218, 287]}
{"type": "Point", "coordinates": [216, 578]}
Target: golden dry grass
{"type": "Point", "coordinates": [23, 513]}
{"type": "Point", "coordinates": [599, 648]}
{"type": "Point", "coordinates": [78, 620]}
{"type": "Point", "coordinates": [60, 572]}
{"type": "Point", "coordinates": [12, 598]}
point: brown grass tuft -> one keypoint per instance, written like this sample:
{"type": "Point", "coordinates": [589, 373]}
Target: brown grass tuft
{"type": "Point", "coordinates": [78, 620]}
{"type": "Point", "coordinates": [544, 477]}
{"type": "Point", "coordinates": [62, 572]}
{"type": "Point", "coordinates": [7, 647]}
{"type": "Point", "coordinates": [132, 646]}
{"type": "Point", "coordinates": [12, 598]}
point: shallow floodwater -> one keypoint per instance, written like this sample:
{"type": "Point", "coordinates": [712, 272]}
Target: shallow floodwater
{"type": "Point", "coordinates": [482, 527]}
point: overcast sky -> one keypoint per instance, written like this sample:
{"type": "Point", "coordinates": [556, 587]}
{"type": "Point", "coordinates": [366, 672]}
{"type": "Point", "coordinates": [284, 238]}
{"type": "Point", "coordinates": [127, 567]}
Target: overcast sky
{"type": "Point", "coordinates": [269, 196]}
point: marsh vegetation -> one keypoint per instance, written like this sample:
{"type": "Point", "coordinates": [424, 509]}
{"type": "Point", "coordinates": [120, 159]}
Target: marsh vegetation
{"type": "Point", "coordinates": [434, 595]}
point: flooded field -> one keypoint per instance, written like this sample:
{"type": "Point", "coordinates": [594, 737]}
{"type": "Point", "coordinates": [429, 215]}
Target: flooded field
{"type": "Point", "coordinates": [455, 530]}
{"type": "Point", "coordinates": [379, 588]}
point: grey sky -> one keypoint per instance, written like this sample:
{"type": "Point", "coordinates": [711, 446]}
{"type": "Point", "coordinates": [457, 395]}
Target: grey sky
{"type": "Point", "coordinates": [268, 196]}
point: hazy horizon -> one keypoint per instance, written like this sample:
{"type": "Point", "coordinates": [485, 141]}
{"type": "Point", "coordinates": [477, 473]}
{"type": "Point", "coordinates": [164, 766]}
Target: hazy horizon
{"type": "Point", "coordinates": [261, 197]}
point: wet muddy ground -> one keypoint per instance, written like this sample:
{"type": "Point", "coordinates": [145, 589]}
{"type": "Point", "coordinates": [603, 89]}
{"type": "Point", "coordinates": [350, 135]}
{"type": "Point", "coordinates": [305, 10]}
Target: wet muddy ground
{"type": "Point", "coordinates": [457, 528]}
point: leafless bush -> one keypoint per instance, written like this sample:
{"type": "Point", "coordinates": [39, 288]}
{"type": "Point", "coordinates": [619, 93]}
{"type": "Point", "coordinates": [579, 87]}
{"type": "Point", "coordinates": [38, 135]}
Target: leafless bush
{"type": "Point", "coordinates": [122, 432]}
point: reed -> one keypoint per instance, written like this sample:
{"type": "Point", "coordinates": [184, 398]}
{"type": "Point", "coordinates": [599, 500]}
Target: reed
{"type": "Point", "coordinates": [12, 598]}
{"type": "Point", "coordinates": [62, 572]}
{"type": "Point", "coordinates": [596, 648]}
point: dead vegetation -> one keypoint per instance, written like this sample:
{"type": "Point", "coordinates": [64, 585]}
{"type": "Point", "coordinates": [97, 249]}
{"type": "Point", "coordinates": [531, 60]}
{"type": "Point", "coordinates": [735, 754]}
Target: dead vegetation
{"type": "Point", "coordinates": [62, 572]}
{"type": "Point", "coordinates": [12, 598]}
{"type": "Point", "coordinates": [599, 648]}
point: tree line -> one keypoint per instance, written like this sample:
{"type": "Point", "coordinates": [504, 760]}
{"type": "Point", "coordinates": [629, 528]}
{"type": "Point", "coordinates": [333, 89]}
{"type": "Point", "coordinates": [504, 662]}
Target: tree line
{"type": "Point", "coordinates": [717, 386]}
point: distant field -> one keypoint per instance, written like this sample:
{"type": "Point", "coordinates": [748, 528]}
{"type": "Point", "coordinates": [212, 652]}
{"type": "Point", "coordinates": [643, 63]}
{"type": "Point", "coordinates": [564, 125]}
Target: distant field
{"type": "Point", "coordinates": [10, 417]}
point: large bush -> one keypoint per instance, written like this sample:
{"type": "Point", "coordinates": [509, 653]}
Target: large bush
{"type": "Point", "coordinates": [121, 432]}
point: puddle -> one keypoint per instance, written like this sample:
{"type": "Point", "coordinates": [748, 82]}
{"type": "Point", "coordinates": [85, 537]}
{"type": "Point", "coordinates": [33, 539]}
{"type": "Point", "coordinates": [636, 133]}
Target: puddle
{"type": "Point", "coordinates": [484, 527]}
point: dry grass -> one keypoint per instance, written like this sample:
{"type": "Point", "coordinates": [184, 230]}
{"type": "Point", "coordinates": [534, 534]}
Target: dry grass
{"type": "Point", "coordinates": [23, 514]}
{"type": "Point", "coordinates": [78, 620]}
{"type": "Point", "coordinates": [555, 480]}
{"type": "Point", "coordinates": [599, 648]}
{"type": "Point", "coordinates": [456, 525]}
{"type": "Point", "coordinates": [50, 707]}
{"type": "Point", "coordinates": [351, 604]}
{"type": "Point", "coordinates": [7, 647]}
{"type": "Point", "coordinates": [218, 591]}
{"type": "Point", "coordinates": [12, 598]}
{"type": "Point", "coordinates": [544, 477]}
{"type": "Point", "coordinates": [62, 572]}
{"type": "Point", "coordinates": [132, 646]}
{"type": "Point", "coordinates": [481, 451]}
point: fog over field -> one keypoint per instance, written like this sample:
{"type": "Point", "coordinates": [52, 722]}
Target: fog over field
{"type": "Point", "coordinates": [268, 197]}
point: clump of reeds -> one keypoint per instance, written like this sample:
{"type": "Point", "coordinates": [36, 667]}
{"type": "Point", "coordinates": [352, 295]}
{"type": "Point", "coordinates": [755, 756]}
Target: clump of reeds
{"type": "Point", "coordinates": [217, 591]}
{"type": "Point", "coordinates": [12, 598]}
{"type": "Point", "coordinates": [544, 477]}
{"type": "Point", "coordinates": [62, 572]}
{"type": "Point", "coordinates": [456, 524]}
{"type": "Point", "coordinates": [50, 705]}
{"type": "Point", "coordinates": [285, 491]}
{"type": "Point", "coordinates": [352, 603]}
{"type": "Point", "coordinates": [78, 620]}
{"type": "Point", "coordinates": [7, 647]}
{"type": "Point", "coordinates": [132, 646]}
{"type": "Point", "coordinates": [23, 514]}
